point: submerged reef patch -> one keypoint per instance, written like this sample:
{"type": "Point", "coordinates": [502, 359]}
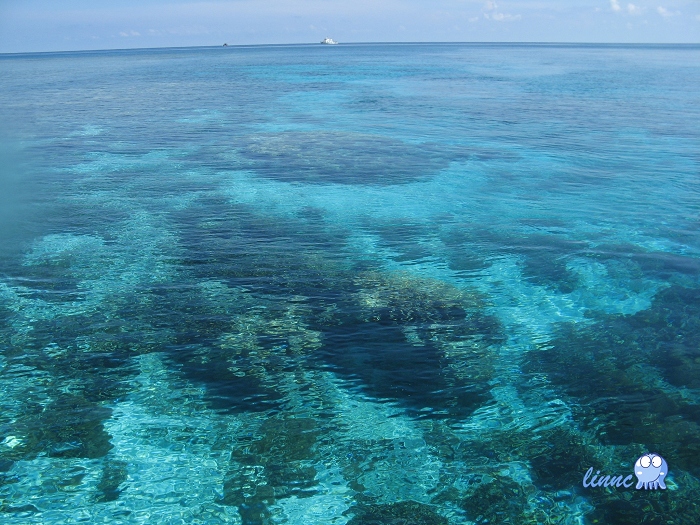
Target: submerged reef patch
{"type": "Point", "coordinates": [114, 474]}
{"type": "Point", "coordinates": [401, 513]}
{"type": "Point", "coordinates": [282, 302]}
{"type": "Point", "coordinates": [416, 340]}
{"type": "Point", "coordinates": [647, 362]}
{"type": "Point", "coordinates": [631, 381]}
{"type": "Point", "coordinates": [276, 462]}
{"type": "Point", "coordinates": [544, 257]}
{"type": "Point", "coordinates": [497, 500]}
{"type": "Point", "coordinates": [333, 157]}
{"type": "Point", "coordinates": [69, 427]}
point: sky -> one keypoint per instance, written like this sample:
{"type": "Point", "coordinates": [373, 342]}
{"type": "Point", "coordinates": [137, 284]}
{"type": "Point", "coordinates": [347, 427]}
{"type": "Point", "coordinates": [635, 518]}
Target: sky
{"type": "Point", "coordinates": [59, 25]}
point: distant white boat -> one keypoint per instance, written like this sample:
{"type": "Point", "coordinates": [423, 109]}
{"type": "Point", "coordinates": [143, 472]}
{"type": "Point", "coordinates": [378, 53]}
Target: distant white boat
{"type": "Point", "coordinates": [328, 41]}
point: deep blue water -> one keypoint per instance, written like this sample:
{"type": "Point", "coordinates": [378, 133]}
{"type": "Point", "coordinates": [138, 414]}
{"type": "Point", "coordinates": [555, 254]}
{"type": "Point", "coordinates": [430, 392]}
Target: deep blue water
{"type": "Point", "coordinates": [354, 284]}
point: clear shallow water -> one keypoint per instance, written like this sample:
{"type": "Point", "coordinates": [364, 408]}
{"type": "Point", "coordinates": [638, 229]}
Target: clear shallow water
{"type": "Point", "coordinates": [349, 284]}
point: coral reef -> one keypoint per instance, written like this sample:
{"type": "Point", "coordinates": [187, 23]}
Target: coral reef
{"type": "Point", "coordinates": [401, 513]}
{"type": "Point", "coordinates": [341, 158]}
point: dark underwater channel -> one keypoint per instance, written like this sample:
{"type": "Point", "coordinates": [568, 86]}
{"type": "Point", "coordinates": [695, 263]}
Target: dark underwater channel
{"type": "Point", "coordinates": [349, 292]}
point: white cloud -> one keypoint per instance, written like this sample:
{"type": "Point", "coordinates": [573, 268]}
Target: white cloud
{"type": "Point", "coordinates": [634, 9]}
{"type": "Point", "coordinates": [491, 13]}
{"type": "Point", "coordinates": [631, 8]}
{"type": "Point", "coordinates": [504, 17]}
{"type": "Point", "coordinates": [666, 13]}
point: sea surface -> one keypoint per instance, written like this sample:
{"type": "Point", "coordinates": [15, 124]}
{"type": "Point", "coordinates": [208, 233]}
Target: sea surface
{"type": "Point", "coordinates": [425, 284]}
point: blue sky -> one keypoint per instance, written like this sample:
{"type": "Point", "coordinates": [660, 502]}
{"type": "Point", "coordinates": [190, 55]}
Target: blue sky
{"type": "Point", "coordinates": [51, 25]}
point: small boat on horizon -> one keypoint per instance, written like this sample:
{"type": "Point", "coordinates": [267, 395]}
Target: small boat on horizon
{"type": "Point", "coordinates": [329, 41]}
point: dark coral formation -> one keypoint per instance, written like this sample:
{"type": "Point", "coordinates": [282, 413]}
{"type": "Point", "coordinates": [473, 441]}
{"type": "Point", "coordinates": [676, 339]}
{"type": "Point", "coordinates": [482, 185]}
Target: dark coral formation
{"type": "Point", "coordinates": [497, 500]}
{"type": "Point", "coordinates": [342, 158]}
{"type": "Point", "coordinates": [275, 463]}
{"type": "Point", "coordinates": [625, 376]}
{"type": "Point", "coordinates": [400, 513]}
{"type": "Point", "coordinates": [68, 427]}
{"type": "Point", "coordinates": [419, 341]}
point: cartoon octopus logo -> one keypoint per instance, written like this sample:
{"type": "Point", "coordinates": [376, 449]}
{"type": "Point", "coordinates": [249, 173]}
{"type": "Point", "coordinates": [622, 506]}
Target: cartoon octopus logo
{"type": "Point", "coordinates": [651, 470]}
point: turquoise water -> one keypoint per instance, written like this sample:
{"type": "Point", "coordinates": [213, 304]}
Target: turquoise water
{"type": "Point", "coordinates": [358, 284]}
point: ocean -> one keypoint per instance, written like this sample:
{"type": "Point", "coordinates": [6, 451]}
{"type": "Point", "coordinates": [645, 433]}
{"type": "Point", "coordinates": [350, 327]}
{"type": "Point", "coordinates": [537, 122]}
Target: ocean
{"type": "Point", "coordinates": [417, 284]}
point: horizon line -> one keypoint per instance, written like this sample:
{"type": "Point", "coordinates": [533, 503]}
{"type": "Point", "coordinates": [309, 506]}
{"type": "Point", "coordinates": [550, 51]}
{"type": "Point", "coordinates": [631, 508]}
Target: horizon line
{"type": "Point", "coordinates": [504, 43]}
